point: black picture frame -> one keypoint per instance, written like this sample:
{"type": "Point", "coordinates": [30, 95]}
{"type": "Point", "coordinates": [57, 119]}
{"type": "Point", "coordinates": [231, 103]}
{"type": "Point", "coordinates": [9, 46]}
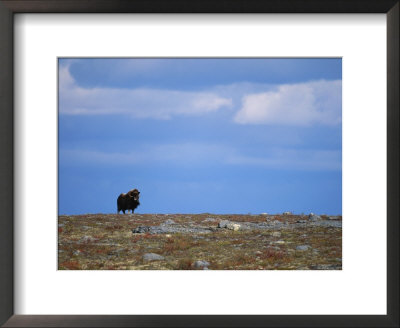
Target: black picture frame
{"type": "Point", "coordinates": [7, 199]}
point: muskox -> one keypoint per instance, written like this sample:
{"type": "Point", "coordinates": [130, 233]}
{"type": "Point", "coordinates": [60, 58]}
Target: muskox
{"type": "Point", "coordinates": [128, 201]}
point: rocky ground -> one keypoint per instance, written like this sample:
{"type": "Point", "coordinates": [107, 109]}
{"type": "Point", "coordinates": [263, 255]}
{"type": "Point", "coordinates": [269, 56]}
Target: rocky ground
{"type": "Point", "coordinates": [199, 241]}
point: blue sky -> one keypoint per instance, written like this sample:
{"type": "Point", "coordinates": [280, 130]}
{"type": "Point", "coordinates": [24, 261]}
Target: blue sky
{"type": "Point", "coordinates": [201, 135]}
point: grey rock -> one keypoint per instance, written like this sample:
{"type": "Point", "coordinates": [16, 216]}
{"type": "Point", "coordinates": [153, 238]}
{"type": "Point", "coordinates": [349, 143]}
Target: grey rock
{"type": "Point", "coordinates": [152, 257]}
{"type": "Point", "coordinates": [333, 217]}
{"type": "Point", "coordinates": [87, 239]}
{"type": "Point", "coordinates": [168, 227]}
{"type": "Point", "coordinates": [201, 264]}
{"type": "Point", "coordinates": [233, 226]}
{"type": "Point", "coordinates": [314, 218]}
{"type": "Point", "coordinates": [328, 223]}
{"type": "Point", "coordinates": [303, 248]}
{"type": "Point", "coordinates": [209, 220]}
{"type": "Point", "coordinates": [172, 228]}
{"type": "Point", "coordinates": [275, 222]}
{"type": "Point", "coordinates": [229, 225]}
{"type": "Point", "coordinates": [141, 229]}
{"type": "Point", "coordinates": [326, 267]}
{"type": "Point", "coordinates": [276, 234]}
{"type": "Point", "coordinates": [223, 223]}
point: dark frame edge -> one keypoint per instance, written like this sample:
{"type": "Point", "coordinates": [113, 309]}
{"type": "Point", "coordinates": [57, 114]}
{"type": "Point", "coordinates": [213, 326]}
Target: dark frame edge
{"type": "Point", "coordinates": [6, 198]}
{"type": "Point", "coordinates": [393, 147]}
{"type": "Point", "coordinates": [204, 6]}
{"type": "Point", "coordinates": [310, 321]}
{"type": "Point", "coordinates": [6, 165]}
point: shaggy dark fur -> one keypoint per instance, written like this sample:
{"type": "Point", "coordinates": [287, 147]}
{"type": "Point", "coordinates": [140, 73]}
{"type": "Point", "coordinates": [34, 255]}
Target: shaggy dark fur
{"type": "Point", "coordinates": [128, 201]}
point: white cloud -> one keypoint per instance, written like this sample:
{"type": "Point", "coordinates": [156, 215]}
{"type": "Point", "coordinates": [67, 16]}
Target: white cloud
{"type": "Point", "coordinates": [301, 104]}
{"type": "Point", "coordinates": [318, 102]}
{"type": "Point", "coordinates": [177, 154]}
{"type": "Point", "coordinates": [202, 154]}
{"type": "Point", "coordinates": [138, 103]}
{"type": "Point", "coordinates": [304, 160]}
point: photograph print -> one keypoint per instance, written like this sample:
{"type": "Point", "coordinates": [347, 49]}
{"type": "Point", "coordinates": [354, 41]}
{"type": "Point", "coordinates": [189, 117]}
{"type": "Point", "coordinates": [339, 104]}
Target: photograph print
{"type": "Point", "coordinates": [199, 164]}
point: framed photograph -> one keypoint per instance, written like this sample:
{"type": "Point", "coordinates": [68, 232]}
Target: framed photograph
{"type": "Point", "coordinates": [213, 133]}
{"type": "Point", "coordinates": [218, 164]}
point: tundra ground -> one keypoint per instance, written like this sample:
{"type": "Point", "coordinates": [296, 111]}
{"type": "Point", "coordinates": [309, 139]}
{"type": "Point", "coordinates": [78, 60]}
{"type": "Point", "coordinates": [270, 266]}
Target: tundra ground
{"type": "Point", "coordinates": [194, 241]}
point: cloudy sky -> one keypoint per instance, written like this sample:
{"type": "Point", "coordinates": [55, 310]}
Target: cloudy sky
{"type": "Point", "coordinates": [201, 135]}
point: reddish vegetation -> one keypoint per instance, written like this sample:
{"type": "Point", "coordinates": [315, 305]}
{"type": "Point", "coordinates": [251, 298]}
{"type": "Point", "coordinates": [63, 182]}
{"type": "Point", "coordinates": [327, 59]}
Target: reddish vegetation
{"type": "Point", "coordinates": [70, 265]}
{"type": "Point", "coordinates": [106, 242]}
